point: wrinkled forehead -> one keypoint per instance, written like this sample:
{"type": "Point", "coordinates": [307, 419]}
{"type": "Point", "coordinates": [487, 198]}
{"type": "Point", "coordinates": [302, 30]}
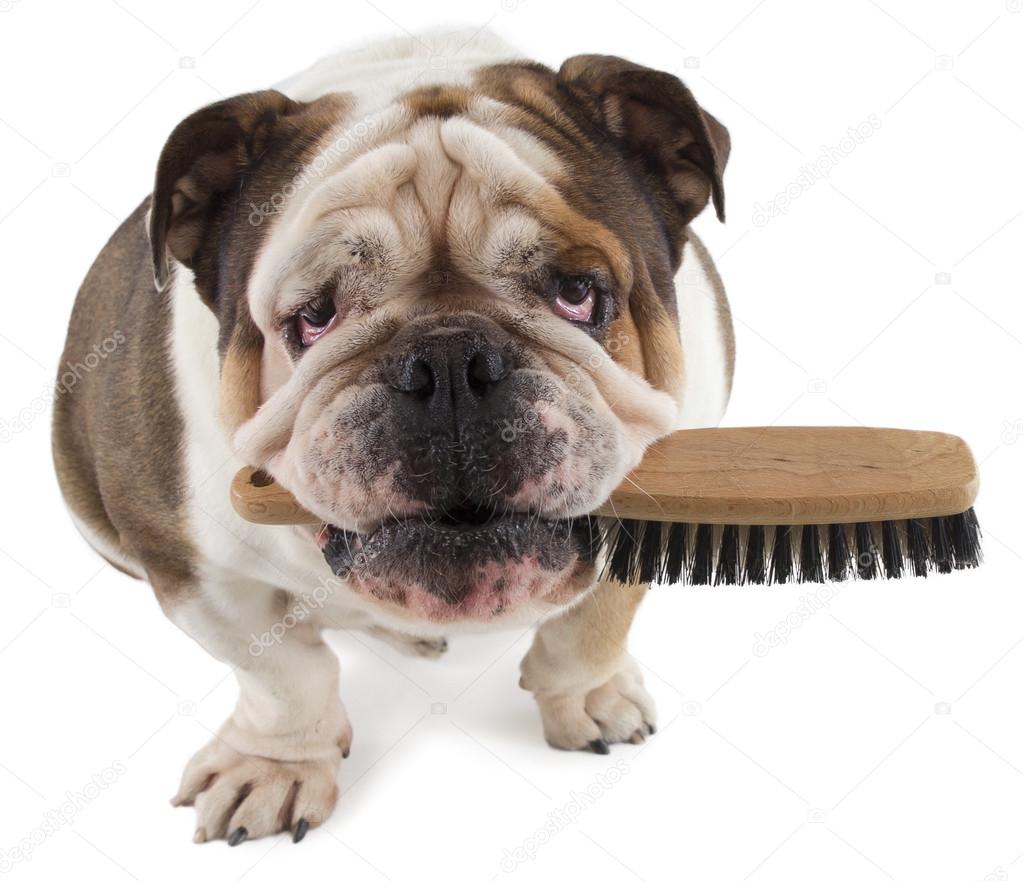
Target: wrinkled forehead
{"type": "Point", "coordinates": [398, 193]}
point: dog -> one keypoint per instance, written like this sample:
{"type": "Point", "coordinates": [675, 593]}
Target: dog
{"type": "Point", "coordinates": [447, 296]}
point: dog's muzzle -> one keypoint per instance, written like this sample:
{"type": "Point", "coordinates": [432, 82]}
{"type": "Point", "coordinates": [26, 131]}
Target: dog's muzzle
{"type": "Point", "coordinates": [459, 438]}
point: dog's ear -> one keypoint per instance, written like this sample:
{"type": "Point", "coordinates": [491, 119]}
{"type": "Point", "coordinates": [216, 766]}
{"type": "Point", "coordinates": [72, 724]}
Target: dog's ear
{"type": "Point", "coordinates": [655, 117]}
{"type": "Point", "coordinates": [204, 159]}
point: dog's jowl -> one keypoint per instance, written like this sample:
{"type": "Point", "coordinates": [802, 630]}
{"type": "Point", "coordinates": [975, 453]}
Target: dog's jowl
{"type": "Point", "coordinates": [448, 308]}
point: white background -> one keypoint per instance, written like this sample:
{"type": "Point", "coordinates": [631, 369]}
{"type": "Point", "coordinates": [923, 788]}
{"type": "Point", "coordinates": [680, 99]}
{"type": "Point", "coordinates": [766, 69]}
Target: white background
{"type": "Point", "coordinates": [883, 740]}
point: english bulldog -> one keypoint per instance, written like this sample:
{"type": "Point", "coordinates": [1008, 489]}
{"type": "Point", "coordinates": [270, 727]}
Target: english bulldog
{"type": "Point", "coordinates": [446, 296]}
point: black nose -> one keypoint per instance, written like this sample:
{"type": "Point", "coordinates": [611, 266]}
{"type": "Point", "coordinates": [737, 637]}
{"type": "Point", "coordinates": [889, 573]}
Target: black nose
{"type": "Point", "coordinates": [450, 373]}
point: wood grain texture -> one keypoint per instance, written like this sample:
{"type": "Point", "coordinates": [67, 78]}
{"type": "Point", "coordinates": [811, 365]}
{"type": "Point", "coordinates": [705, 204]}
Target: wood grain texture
{"type": "Point", "coordinates": [756, 476]}
{"type": "Point", "coordinates": [798, 475]}
{"type": "Point", "coordinates": [258, 499]}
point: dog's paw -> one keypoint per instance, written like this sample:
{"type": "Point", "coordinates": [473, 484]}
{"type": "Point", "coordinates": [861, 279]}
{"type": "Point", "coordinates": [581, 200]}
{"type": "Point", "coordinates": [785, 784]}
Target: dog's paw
{"type": "Point", "coordinates": [239, 796]}
{"type": "Point", "coordinates": [618, 711]}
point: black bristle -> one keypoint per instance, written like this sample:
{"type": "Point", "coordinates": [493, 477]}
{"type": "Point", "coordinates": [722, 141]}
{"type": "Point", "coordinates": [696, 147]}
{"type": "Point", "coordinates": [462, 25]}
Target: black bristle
{"type": "Point", "coordinates": [965, 532]}
{"type": "Point", "coordinates": [650, 552]}
{"type": "Point", "coordinates": [838, 553]}
{"type": "Point", "coordinates": [728, 557]}
{"type": "Point", "coordinates": [866, 552]}
{"type": "Point", "coordinates": [622, 550]}
{"type": "Point", "coordinates": [811, 566]}
{"type": "Point", "coordinates": [941, 545]}
{"type": "Point", "coordinates": [645, 552]}
{"type": "Point", "coordinates": [781, 555]}
{"type": "Point", "coordinates": [755, 566]}
{"type": "Point", "coordinates": [891, 549]}
{"type": "Point", "coordinates": [917, 547]}
{"type": "Point", "coordinates": [703, 555]}
{"type": "Point", "coordinates": [675, 557]}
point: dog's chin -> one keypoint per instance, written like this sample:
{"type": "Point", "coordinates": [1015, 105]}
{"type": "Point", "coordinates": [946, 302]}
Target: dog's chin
{"type": "Point", "coordinates": [466, 564]}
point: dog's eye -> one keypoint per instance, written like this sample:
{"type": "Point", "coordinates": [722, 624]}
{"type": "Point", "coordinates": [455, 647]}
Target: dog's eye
{"type": "Point", "coordinates": [314, 320]}
{"type": "Point", "coordinates": [575, 298]}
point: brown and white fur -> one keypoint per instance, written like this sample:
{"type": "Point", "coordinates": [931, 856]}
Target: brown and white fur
{"type": "Point", "coordinates": [427, 185]}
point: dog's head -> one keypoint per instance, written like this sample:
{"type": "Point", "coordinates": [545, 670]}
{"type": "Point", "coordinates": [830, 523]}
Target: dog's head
{"type": "Point", "coordinates": [448, 326]}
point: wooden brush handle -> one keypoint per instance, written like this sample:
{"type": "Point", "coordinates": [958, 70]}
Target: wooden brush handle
{"type": "Point", "coordinates": [755, 476]}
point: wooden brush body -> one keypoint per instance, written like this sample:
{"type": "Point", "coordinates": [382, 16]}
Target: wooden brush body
{"type": "Point", "coordinates": [752, 476]}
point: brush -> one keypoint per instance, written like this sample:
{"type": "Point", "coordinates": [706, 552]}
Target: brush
{"type": "Point", "coordinates": [764, 506]}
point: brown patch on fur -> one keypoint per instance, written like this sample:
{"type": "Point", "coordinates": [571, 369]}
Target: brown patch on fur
{"type": "Point", "coordinates": [534, 103]}
{"type": "Point", "coordinates": [641, 159]}
{"type": "Point", "coordinates": [240, 374]}
{"type": "Point", "coordinates": [117, 437]}
{"type": "Point", "coordinates": [205, 158]}
{"type": "Point", "coordinates": [440, 101]}
{"type": "Point", "coordinates": [581, 232]}
{"type": "Point", "coordinates": [628, 346]}
{"type": "Point", "coordinates": [268, 139]}
{"type": "Point", "coordinates": [654, 115]}
{"type": "Point", "coordinates": [659, 334]}
{"type": "Point", "coordinates": [117, 432]}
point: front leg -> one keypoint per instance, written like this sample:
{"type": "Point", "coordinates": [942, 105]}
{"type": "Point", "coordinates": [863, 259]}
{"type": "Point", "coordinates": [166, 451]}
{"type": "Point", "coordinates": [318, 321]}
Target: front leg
{"type": "Point", "coordinates": [589, 689]}
{"type": "Point", "coordinates": [273, 764]}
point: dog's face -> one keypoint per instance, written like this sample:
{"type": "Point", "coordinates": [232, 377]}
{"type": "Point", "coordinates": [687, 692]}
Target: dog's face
{"type": "Point", "coordinates": [448, 326]}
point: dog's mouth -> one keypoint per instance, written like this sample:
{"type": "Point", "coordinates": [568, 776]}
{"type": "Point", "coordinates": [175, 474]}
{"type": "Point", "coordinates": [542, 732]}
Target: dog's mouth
{"type": "Point", "coordinates": [468, 561]}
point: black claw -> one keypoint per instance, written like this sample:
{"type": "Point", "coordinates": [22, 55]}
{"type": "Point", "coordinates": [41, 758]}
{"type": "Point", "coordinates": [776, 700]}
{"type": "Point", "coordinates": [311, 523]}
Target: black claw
{"type": "Point", "coordinates": [650, 729]}
{"type": "Point", "coordinates": [238, 836]}
{"type": "Point", "coordinates": [301, 827]}
{"type": "Point", "coordinates": [344, 755]}
{"type": "Point", "coordinates": [600, 747]}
